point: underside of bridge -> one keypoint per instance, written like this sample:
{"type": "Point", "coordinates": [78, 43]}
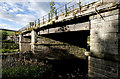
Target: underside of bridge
{"type": "Point", "coordinates": [67, 43]}
{"type": "Point", "coordinates": [77, 38]}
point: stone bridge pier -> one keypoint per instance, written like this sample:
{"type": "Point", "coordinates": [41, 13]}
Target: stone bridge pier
{"type": "Point", "coordinates": [24, 43]}
{"type": "Point", "coordinates": [104, 56]}
{"type": "Point", "coordinates": [27, 42]}
{"type": "Point", "coordinates": [33, 40]}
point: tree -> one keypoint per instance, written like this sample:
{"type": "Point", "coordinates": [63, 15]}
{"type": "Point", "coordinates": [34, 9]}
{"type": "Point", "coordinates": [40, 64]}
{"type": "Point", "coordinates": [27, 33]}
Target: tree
{"type": "Point", "coordinates": [4, 35]}
{"type": "Point", "coordinates": [52, 8]}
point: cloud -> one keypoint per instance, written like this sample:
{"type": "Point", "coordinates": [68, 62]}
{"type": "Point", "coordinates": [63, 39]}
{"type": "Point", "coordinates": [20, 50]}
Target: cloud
{"type": "Point", "coordinates": [16, 9]}
{"type": "Point", "coordinates": [36, 10]}
{"type": "Point", "coordinates": [24, 19]}
{"type": "Point", "coordinates": [18, 18]}
{"type": "Point", "coordinates": [36, 0]}
{"type": "Point", "coordinates": [5, 26]}
{"type": "Point", "coordinates": [40, 8]}
{"type": "Point", "coordinates": [23, 12]}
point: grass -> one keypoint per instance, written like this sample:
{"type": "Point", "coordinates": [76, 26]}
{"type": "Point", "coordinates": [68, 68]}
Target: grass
{"type": "Point", "coordinates": [27, 71]}
{"type": "Point", "coordinates": [9, 50]}
{"type": "Point", "coordinates": [8, 47]}
{"type": "Point", "coordinates": [9, 32]}
{"type": "Point", "coordinates": [28, 67]}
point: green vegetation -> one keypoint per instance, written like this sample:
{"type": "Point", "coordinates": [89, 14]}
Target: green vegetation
{"type": "Point", "coordinates": [27, 71]}
{"type": "Point", "coordinates": [62, 12]}
{"type": "Point", "coordinates": [8, 41]}
{"type": "Point", "coordinates": [52, 8]}
{"type": "Point", "coordinates": [27, 65]}
{"type": "Point", "coordinates": [4, 35]}
{"type": "Point", "coordinates": [8, 46]}
{"type": "Point", "coordinates": [9, 32]}
{"type": "Point", "coordinates": [73, 13]}
{"type": "Point", "coordinates": [9, 50]}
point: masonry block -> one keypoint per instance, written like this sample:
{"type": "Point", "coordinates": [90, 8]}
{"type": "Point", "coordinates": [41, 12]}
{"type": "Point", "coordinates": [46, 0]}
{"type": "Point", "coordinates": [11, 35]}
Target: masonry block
{"type": "Point", "coordinates": [33, 40]}
{"type": "Point", "coordinates": [24, 43]}
{"type": "Point", "coordinates": [58, 49]}
{"type": "Point", "coordinates": [105, 46]}
{"type": "Point", "coordinates": [103, 69]}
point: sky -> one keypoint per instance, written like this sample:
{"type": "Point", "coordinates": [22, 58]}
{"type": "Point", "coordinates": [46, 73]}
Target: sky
{"type": "Point", "coordinates": [15, 15]}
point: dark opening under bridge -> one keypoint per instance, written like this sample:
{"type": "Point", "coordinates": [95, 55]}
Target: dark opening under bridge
{"type": "Point", "coordinates": [69, 30]}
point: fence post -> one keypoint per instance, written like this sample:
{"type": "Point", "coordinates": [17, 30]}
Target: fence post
{"type": "Point", "coordinates": [65, 10]}
{"type": "Point", "coordinates": [43, 19]}
{"type": "Point", "coordinates": [38, 22]}
{"type": "Point", "coordinates": [73, 8]}
{"type": "Point", "coordinates": [48, 30]}
{"type": "Point", "coordinates": [48, 17]}
{"type": "Point", "coordinates": [80, 5]}
{"type": "Point", "coordinates": [102, 1]}
{"type": "Point", "coordinates": [35, 23]}
{"type": "Point", "coordinates": [56, 14]}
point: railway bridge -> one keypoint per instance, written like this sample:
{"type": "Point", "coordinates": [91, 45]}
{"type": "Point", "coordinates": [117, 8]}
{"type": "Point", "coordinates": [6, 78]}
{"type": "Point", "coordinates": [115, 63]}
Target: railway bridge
{"type": "Point", "coordinates": [67, 31]}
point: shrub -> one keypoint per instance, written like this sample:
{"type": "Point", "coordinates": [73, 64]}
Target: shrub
{"type": "Point", "coordinates": [4, 35]}
{"type": "Point", "coordinates": [8, 41]}
{"type": "Point", "coordinates": [9, 50]}
{"type": "Point", "coordinates": [27, 71]}
{"type": "Point", "coordinates": [10, 46]}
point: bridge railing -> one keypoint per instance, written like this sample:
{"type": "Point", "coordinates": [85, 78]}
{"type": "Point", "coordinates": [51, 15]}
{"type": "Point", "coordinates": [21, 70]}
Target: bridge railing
{"type": "Point", "coordinates": [63, 11]}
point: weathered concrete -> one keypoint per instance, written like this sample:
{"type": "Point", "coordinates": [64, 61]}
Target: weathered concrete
{"type": "Point", "coordinates": [105, 45]}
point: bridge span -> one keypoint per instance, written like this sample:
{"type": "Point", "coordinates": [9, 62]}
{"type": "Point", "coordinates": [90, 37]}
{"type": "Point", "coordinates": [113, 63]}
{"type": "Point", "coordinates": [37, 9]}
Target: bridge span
{"type": "Point", "coordinates": [68, 32]}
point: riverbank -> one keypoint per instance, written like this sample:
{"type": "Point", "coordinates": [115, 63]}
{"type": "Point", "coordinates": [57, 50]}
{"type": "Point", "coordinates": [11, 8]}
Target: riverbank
{"type": "Point", "coordinates": [28, 65]}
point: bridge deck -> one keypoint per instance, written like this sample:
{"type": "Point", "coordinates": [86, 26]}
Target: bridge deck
{"type": "Point", "coordinates": [69, 23]}
{"type": "Point", "coordinates": [71, 14]}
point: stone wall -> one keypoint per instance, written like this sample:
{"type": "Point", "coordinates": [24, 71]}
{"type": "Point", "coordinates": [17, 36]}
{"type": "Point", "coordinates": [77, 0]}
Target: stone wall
{"type": "Point", "coordinates": [103, 69]}
{"type": "Point", "coordinates": [57, 49]}
{"type": "Point", "coordinates": [105, 45]}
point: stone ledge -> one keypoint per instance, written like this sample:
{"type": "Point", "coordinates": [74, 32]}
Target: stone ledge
{"type": "Point", "coordinates": [104, 56]}
{"type": "Point", "coordinates": [24, 42]}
